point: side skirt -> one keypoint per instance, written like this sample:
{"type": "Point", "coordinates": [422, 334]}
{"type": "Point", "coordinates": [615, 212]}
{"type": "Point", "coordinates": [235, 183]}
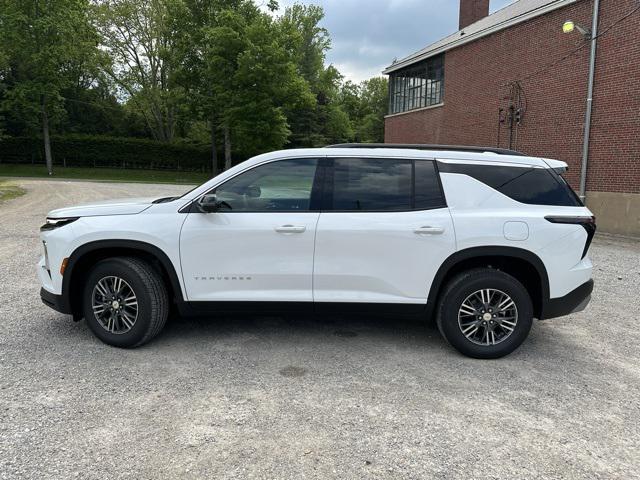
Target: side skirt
{"type": "Point", "coordinates": [190, 309]}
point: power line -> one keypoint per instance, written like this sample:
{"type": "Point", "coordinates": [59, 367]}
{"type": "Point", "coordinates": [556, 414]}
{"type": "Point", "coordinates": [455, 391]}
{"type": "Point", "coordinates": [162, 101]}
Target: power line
{"type": "Point", "coordinates": [583, 45]}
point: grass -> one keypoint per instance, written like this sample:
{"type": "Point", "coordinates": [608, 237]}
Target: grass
{"type": "Point", "coordinates": [9, 191]}
{"type": "Point", "coordinates": [105, 174]}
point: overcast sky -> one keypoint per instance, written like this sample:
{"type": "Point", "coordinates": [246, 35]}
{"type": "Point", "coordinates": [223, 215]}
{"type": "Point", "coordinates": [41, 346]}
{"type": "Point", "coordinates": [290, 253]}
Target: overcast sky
{"type": "Point", "coordinates": [368, 34]}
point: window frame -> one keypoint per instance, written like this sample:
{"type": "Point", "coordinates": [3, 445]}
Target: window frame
{"type": "Point", "coordinates": [317, 186]}
{"type": "Point", "coordinates": [329, 179]}
{"type": "Point", "coordinates": [420, 85]}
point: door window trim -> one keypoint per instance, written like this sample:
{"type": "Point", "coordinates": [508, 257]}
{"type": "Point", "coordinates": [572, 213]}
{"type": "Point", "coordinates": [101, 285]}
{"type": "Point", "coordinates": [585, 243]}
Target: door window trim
{"type": "Point", "coordinates": [329, 177]}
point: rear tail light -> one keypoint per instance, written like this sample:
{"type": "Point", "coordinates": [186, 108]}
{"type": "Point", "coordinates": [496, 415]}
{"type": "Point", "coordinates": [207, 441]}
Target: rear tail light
{"type": "Point", "coordinates": [588, 223]}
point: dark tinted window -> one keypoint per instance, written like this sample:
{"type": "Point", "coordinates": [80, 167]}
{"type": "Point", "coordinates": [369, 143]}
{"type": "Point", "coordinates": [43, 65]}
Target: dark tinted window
{"type": "Point", "coordinates": [428, 193]}
{"type": "Point", "coordinates": [535, 186]}
{"type": "Point", "coordinates": [284, 185]}
{"type": "Point", "coordinates": [372, 184]}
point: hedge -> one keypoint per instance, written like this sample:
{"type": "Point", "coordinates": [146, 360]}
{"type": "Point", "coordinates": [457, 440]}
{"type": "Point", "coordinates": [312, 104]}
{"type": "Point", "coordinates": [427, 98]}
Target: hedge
{"type": "Point", "coordinates": [104, 151]}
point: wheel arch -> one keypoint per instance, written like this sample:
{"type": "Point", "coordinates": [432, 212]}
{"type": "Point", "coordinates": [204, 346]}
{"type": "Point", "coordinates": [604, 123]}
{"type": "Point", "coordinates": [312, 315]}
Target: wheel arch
{"type": "Point", "coordinates": [522, 264]}
{"type": "Point", "coordinates": [85, 256]}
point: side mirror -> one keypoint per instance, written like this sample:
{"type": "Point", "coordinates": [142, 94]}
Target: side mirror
{"type": "Point", "coordinates": [253, 191]}
{"type": "Point", "coordinates": [210, 204]}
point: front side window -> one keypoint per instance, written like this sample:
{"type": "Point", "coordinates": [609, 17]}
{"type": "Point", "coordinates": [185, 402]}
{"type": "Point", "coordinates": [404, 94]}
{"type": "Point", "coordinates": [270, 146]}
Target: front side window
{"type": "Point", "coordinates": [417, 86]}
{"type": "Point", "coordinates": [284, 185]}
{"type": "Point", "coordinates": [377, 184]}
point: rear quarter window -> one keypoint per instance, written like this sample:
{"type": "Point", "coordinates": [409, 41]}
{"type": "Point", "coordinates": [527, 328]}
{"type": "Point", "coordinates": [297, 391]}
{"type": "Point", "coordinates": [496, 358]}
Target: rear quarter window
{"type": "Point", "coordinates": [533, 186]}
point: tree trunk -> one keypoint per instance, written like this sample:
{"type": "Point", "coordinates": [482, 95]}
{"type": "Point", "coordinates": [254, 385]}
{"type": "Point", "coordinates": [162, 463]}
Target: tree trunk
{"type": "Point", "coordinates": [214, 150]}
{"type": "Point", "coordinates": [45, 136]}
{"type": "Point", "coordinates": [227, 148]}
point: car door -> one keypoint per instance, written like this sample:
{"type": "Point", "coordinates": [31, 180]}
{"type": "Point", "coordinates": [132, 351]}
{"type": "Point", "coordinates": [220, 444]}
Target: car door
{"type": "Point", "coordinates": [383, 232]}
{"type": "Point", "coordinates": [258, 246]}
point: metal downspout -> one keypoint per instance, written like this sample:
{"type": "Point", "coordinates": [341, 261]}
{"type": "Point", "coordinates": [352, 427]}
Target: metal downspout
{"type": "Point", "coordinates": [587, 121]}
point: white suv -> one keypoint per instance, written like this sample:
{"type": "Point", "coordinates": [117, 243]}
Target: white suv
{"type": "Point", "coordinates": [482, 239]}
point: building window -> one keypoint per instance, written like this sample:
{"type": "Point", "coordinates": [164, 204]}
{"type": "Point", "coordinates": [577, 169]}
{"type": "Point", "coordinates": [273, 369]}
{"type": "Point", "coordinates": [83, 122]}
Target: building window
{"type": "Point", "coordinates": [417, 86]}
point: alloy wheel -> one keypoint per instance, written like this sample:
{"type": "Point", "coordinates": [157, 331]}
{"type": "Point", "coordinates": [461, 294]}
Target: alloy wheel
{"type": "Point", "coordinates": [114, 304]}
{"type": "Point", "coordinates": [487, 317]}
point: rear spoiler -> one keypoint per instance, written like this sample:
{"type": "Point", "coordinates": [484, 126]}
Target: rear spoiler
{"type": "Point", "coordinates": [557, 166]}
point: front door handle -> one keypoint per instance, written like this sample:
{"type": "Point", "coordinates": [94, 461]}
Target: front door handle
{"type": "Point", "coordinates": [290, 229]}
{"type": "Point", "coordinates": [428, 230]}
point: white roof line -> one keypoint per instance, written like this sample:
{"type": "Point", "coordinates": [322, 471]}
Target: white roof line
{"type": "Point", "coordinates": [518, 12]}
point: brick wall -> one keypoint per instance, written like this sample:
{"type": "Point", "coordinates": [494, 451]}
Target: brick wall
{"type": "Point", "coordinates": [476, 76]}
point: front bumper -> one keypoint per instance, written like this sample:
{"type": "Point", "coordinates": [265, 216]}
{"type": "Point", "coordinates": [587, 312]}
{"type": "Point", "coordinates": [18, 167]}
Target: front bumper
{"type": "Point", "coordinates": [57, 302]}
{"type": "Point", "coordinates": [575, 301]}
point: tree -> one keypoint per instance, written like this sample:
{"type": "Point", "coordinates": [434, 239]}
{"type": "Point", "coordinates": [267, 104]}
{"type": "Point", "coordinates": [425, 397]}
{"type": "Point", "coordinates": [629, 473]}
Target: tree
{"type": "Point", "coordinates": [92, 108]}
{"type": "Point", "coordinates": [242, 74]}
{"type": "Point", "coordinates": [374, 102]}
{"type": "Point", "coordinates": [44, 42]}
{"type": "Point", "coordinates": [140, 42]}
{"type": "Point", "coordinates": [323, 121]}
{"type": "Point", "coordinates": [4, 64]}
{"type": "Point", "coordinates": [366, 104]}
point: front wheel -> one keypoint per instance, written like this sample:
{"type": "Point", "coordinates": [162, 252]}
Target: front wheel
{"type": "Point", "coordinates": [125, 302]}
{"type": "Point", "coordinates": [485, 313]}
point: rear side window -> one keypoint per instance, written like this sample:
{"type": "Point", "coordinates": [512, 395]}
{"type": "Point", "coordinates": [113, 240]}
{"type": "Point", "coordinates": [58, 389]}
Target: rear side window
{"type": "Point", "coordinates": [428, 192]}
{"type": "Point", "coordinates": [372, 184]}
{"type": "Point", "coordinates": [376, 184]}
{"type": "Point", "coordinates": [533, 186]}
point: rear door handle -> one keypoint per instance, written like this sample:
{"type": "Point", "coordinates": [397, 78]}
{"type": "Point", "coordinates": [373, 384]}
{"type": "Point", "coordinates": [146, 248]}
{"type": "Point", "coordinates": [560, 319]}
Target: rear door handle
{"type": "Point", "coordinates": [428, 230]}
{"type": "Point", "coordinates": [291, 229]}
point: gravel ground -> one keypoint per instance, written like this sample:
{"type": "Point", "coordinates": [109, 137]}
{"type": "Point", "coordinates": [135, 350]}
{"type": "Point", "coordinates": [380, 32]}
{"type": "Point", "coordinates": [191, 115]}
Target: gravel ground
{"type": "Point", "coordinates": [291, 397]}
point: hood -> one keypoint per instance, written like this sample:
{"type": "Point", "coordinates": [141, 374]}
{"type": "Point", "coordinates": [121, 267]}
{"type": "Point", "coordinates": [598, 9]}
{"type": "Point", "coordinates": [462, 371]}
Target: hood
{"type": "Point", "coordinates": [125, 206]}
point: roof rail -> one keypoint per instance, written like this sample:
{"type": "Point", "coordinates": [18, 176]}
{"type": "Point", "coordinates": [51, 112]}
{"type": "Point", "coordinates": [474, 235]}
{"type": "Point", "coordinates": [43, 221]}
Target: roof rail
{"type": "Point", "coordinates": [420, 146]}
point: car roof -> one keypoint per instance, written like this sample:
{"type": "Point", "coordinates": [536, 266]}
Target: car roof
{"type": "Point", "coordinates": [487, 158]}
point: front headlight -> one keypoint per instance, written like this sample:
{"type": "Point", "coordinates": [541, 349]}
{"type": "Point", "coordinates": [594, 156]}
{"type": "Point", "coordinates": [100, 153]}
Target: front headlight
{"type": "Point", "coordinates": [53, 223]}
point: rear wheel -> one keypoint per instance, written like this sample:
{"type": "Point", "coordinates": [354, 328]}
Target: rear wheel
{"type": "Point", "coordinates": [485, 313]}
{"type": "Point", "coordinates": [125, 302]}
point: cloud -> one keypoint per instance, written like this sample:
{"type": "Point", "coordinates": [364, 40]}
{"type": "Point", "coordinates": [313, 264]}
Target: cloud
{"type": "Point", "coordinates": [367, 35]}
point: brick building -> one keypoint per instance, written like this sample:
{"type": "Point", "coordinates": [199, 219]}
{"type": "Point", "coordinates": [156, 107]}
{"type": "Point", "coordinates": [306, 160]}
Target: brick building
{"type": "Point", "coordinates": [513, 79]}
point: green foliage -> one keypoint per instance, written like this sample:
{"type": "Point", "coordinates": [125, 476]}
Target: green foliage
{"type": "Point", "coordinates": [323, 121]}
{"type": "Point", "coordinates": [307, 40]}
{"type": "Point", "coordinates": [106, 174]}
{"type": "Point", "coordinates": [46, 43]}
{"type": "Point", "coordinates": [366, 104]}
{"type": "Point", "coordinates": [185, 73]}
{"type": "Point", "coordinates": [104, 151]}
{"type": "Point", "coordinates": [9, 191]}
{"type": "Point", "coordinates": [141, 41]}
{"type": "Point", "coordinates": [244, 76]}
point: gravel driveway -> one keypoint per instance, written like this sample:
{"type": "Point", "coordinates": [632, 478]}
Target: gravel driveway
{"type": "Point", "coordinates": [291, 397]}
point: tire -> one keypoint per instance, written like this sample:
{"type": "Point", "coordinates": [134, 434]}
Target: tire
{"type": "Point", "coordinates": [139, 284]}
{"type": "Point", "coordinates": [461, 308]}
